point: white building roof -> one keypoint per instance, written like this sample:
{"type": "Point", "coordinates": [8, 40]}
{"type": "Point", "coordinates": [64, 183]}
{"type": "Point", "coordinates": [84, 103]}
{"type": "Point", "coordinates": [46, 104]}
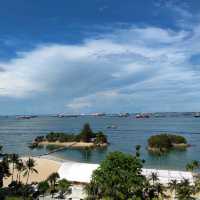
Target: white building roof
{"type": "Point", "coordinates": [82, 173]}
{"type": "Point", "coordinates": [165, 176]}
{"type": "Point", "coordinates": [77, 172]}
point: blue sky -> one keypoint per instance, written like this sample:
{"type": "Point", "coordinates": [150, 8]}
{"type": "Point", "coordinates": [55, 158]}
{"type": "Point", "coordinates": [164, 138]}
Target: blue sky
{"type": "Point", "coordinates": [76, 56]}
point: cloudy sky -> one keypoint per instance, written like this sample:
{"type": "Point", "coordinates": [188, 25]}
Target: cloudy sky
{"type": "Point", "coordinates": [82, 56]}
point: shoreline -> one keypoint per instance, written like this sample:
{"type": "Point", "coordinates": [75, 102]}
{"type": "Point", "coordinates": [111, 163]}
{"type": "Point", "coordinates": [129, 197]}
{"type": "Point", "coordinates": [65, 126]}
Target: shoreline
{"type": "Point", "coordinates": [44, 166]}
{"type": "Point", "coordinates": [62, 160]}
{"type": "Point", "coordinates": [54, 158]}
{"type": "Point", "coordinates": [73, 144]}
{"type": "Point", "coordinates": [175, 146]}
{"type": "Point", "coordinates": [47, 164]}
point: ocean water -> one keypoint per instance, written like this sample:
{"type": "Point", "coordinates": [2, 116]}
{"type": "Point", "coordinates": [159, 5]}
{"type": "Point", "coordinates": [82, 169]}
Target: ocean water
{"type": "Point", "coordinates": [15, 135]}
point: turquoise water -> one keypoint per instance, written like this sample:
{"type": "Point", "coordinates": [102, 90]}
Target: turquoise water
{"type": "Point", "coordinates": [16, 134]}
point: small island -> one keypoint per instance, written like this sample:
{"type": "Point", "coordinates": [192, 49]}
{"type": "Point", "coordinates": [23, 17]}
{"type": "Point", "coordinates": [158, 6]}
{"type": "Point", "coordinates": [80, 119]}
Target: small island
{"type": "Point", "coordinates": [85, 139]}
{"type": "Point", "coordinates": [163, 143]}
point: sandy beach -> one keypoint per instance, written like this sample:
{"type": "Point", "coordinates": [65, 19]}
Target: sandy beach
{"type": "Point", "coordinates": [71, 170]}
{"type": "Point", "coordinates": [44, 166]}
{"type": "Point", "coordinates": [73, 144]}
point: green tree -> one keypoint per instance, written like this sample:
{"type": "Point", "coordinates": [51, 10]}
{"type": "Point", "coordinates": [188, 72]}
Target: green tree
{"type": "Point", "coordinates": [197, 184]}
{"type": "Point", "coordinates": [29, 168]}
{"type": "Point", "coordinates": [185, 190]}
{"type": "Point", "coordinates": [63, 186]}
{"type": "Point", "coordinates": [20, 167]}
{"type": "Point", "coordinates": [13, 158]}
{"type": "Point", "coordinates": [86, 133]}
{"type": "Point", "coordinates": [192, 166]}
{"type": "Point", "coordinates": [100, 138]}
{"type": "Point", "coordinates": [52, 179]}
{"type": "Point", "coordinates": [118, 177]}
{"type": "Point", "coordinates": [154, 177]}
{"type": "Point", "coordinates": [43, 187]}
{"type": "Point", "coordinates": [173, 186]}
{"type": "Point", "coordinates": [4, 171]}
{"type": "Point", "coordinates": [159, 188]}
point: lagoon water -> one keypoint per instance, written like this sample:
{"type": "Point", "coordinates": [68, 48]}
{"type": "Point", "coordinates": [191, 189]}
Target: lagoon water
{"type": "Point", "coordinates": [15, 135]}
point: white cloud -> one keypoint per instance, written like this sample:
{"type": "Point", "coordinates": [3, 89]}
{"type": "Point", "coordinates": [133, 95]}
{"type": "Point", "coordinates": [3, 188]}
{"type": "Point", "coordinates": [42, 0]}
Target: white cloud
{"type": "Point", "coordinates": [78, 104]}
{"type": "Point", "coordinates": [127, 66]}
{"type": "Point", "coordinates": [93, 101]}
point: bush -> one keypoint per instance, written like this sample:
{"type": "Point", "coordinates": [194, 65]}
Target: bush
{"type": "Point", "coordinates": [86, 135]}
{"type": "Point", "coordinates": [177, 139]}
{"type": "Point", "coordinates": [39, 139]}
{"type": "Point", "coordinates": [159, 141]}
{"type": "Point", "coordinates": [52, 137]}
{"type": "Point", "coordinates": [100, 138]}
{"type": "Point", "coordinates": [165, 141]}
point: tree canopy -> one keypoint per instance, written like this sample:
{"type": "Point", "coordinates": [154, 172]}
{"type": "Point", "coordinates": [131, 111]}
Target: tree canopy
{"type": "Point", "coordinates": [118, 177]}
{"type": "Point", "coordinates": [86, 135]}
{"type": "Point", "coordinates": [166, 142]}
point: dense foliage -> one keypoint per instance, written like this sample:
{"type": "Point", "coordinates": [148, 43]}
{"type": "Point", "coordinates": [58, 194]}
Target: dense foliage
{"type": "Point", "coordinates": [18, 190]}
{"type": "Point", "coordinates": [165, 141]}
{"type": "Point", "coordinates": [118, 177]}
{"type": "Point", "coordinates": [4, 170]}
{"type": "Point", "coordinates": [185, 190]}
{"type": "Point", "coordinates": [86, 135]}
{"type": "Point", "coordinates": [193, 166]}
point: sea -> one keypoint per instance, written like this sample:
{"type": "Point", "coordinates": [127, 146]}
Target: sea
{"type": "Point", "coordinates": [123, 133]}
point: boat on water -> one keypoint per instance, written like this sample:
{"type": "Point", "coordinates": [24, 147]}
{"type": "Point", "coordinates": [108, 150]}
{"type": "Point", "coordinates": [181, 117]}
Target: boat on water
{"type": "Point", "coordinates": [112, 127]}
{"type": "Point", "coordinates": [65, 115]}
{"type": "Point", "coordinates": [124, 115]}
{"type": "Point", "coordinates": [142, 116]}
{"type": "Point", "coordinates": [97, 114]}
{"type": "Point", "coordinates": [25, 116]}
{"type": "Point", "coordinates": [197, 115]}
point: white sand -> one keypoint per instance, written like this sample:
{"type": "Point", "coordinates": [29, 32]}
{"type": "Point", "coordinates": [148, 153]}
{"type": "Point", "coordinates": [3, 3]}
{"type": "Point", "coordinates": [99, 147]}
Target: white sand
{"type": "Point", "coordinates": [44, 167]}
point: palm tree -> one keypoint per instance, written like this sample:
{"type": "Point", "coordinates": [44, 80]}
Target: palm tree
{"type": "Point", "coordinates": [20, 168]}
{"type": "Point", "coordinates": [92, 191]}
{"type": "Point", "coordinates": [137, 148]}
{"type": "Point", "coordinates": [154, 177]}
{"type": "Point", "coordinates": [185, 190]}
{"type": "Point", "coordinates": [160, 190]}
{"type": "Point", "coordinates": [63, 186]}
{"type": "Point", "coordinates": [4, 171]}
{"type": "Point", "coordinates": [197, 184]}
{"type": "Point", "coordinates": [13, 158]}
{"type": "Point", "coordinates": [43, 187]}
{"type": "Point", "coordinates": [173, 186]}
{"type": "Point", "coordinates": [29, 168]}
{"type": "Point", "coordinates": [189, 167]}
{"type": "Point", "coordinates": [196, 163]}
{"type": "Point", "coordinates": [149, 191]}
{"type": "Point", "coordinates": [192, 166]}
{"type": "Point", "coordinates": [52, 180]}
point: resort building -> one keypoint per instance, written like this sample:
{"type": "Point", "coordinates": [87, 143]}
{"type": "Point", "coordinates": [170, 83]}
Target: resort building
{"type": "Point", "coordinates": [82, 172]}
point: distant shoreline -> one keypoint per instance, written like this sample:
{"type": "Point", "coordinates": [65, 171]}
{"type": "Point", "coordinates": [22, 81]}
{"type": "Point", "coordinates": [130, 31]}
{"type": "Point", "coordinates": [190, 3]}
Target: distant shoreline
{"type": "Point", "coordinates": [74, 145]}
{"type": "Point", "coordinates": [175, 146]}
